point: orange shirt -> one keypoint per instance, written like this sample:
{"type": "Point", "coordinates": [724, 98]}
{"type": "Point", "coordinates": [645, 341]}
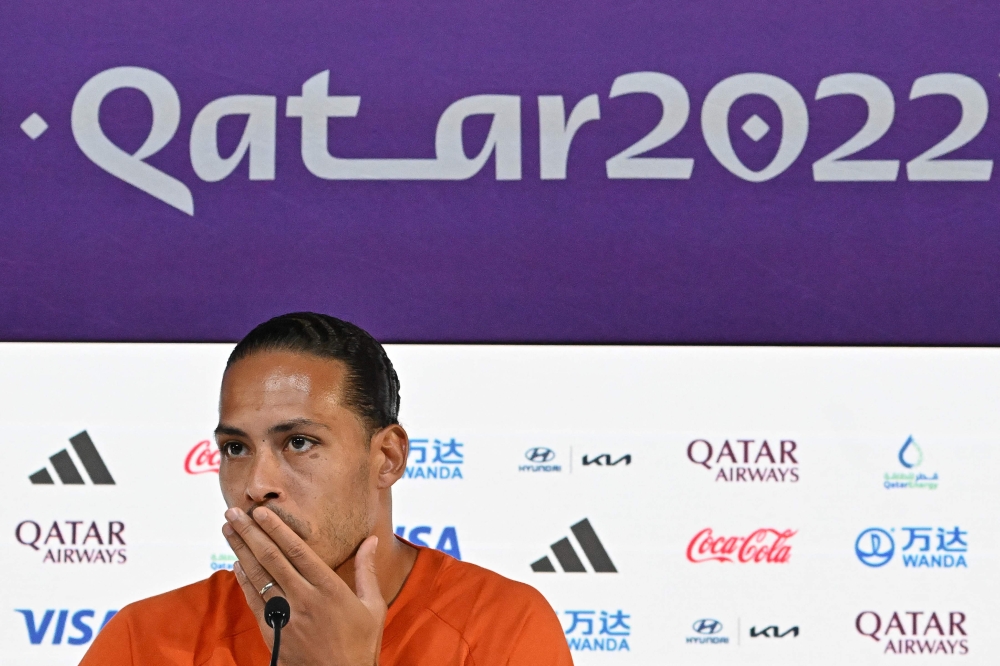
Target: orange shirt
{"type": "Point", "coordinates": [448, 613]}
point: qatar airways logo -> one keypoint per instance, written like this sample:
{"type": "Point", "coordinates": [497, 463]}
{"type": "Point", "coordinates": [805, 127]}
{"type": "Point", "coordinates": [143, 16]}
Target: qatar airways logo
{"type": "Point", "coordinates": [747, 460]}
{"type": "Point", "coordinates": [763, 546]}
{"type": "Point", "coordinates": [203, 457]}
{"type": "Point", "coordinates": [74, 541]}
{"type": "Point", "coordinates": [916, 632]}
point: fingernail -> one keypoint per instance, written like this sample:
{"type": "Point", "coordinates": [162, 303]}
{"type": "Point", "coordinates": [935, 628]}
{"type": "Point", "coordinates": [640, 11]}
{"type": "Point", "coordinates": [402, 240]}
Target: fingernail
{"type": "Point", "coordinates": [260, 513]}
{"type": "Point", "coordinates": [227, 529]}
{"type": "Point", "coordinates": [232, 514]}
{"type": "Point", "coordinates": [238, 570]}
{"type": "Point", "coordinates": [376, 543]}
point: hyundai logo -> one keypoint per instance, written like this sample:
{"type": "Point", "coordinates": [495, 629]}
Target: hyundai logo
{"type": "Point", "coordinates": [539, 454]}
{"type": "Point", "coordinates": [874, 547]}
{"type": "Point", "coordinates": [707, 626]}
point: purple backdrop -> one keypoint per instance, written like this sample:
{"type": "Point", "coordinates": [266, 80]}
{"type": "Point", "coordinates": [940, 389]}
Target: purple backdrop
{"type": "Point", "coordinates": [86, 256]}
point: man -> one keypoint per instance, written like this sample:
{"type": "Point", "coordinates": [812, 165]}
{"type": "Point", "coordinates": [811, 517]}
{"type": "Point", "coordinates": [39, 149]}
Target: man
{"type": "Point", "coordinates": [311, 447]}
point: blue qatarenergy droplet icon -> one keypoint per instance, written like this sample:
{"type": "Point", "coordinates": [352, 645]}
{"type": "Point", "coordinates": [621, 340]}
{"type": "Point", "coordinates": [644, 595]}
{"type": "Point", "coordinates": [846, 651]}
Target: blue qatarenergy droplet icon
{"type": "Point", "coordinates": [911, 455]}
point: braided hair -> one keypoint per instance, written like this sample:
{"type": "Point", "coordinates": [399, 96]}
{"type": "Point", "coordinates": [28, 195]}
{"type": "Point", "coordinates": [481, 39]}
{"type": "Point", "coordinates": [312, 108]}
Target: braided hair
{"type": "Point", "coordinates": [371, 385]}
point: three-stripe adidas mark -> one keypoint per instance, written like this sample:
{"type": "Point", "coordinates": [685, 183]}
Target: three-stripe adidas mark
{"type": "Point", "coordinates": [66, 469]}
{"type": "Point", "coordinates": [570, 561]}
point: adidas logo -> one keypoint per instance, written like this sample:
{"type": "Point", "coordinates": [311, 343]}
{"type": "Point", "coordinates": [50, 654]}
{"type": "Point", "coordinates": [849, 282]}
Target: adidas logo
{"type": "Point", "coordinates": [570, 562]}
{"type": "Point", "coordinates": [66, 469]}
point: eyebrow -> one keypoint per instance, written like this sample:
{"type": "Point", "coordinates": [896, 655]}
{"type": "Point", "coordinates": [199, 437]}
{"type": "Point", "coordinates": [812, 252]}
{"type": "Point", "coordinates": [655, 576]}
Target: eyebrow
{"type": "Point", "coordinates": [284, 426]}
{"type": "Point", "coordinates": [292, 424]}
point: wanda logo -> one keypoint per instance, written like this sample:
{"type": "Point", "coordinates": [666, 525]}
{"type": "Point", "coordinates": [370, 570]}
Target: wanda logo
{"type": "Point", "coordinates": [203, 458]}
{"type": "Point", "coordinates": [764, 545]}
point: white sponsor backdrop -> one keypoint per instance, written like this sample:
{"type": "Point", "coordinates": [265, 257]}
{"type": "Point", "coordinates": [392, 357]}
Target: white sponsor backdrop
{"type": "Point", "coordinates": [848, 411]}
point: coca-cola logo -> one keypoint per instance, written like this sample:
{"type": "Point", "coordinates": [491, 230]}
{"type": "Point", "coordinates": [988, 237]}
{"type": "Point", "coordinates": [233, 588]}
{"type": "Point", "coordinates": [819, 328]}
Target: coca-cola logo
{"type": "Point", "coordinates": [764, 545]}
{"type": "Point", "coordinates": [203, 458]}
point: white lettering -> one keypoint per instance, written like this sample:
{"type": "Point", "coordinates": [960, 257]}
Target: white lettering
{"type": "Point", "coordinates": [715, 122]}
{"type": "Point", "coordinates": [555, 133]}
{"type": "Point", "coordinates": [86, 124]}
{"type": "Point", "coordinates": [314, 106]}
{"type": "Point", "coordinates": [676, 108]}
{"type": "Point", "coordinates": [258, 137]}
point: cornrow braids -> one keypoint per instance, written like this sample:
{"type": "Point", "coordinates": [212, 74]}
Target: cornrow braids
{"type": "Point", "coordinates": [371, 386]}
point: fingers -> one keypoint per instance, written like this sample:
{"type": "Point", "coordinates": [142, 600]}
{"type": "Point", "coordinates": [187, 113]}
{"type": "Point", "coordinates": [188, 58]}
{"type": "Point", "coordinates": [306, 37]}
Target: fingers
{"type": "Point", "coordinates": [301, 556]}
{"type": "Point", "coordinates": [263, 560]}
{"type": "Point", "coordinates": [254, 600]}
{"type": "Point", "coordinates": [257, 576]}
{"type": "Point", "coordinates": [365, 580]}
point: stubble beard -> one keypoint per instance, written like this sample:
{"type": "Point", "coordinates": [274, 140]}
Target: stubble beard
{"type": "Point", "coordinates": [341, 532]}
{"type": "Point", "coordinates": [344, 531]}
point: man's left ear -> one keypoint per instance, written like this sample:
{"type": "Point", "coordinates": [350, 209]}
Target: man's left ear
{"type": "Point", "coordinates": [394, 445]}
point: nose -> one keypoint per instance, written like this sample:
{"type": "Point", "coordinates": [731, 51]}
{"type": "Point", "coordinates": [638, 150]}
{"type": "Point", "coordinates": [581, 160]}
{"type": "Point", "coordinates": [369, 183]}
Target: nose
{"type": "Point", "coordinates": [264, 483]}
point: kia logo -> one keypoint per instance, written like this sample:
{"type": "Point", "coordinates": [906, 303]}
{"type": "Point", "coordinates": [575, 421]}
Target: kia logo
{"type": "Point", "coordinates": [539, 454]}
{"type": "Point", "coordinates": [874, 547]}
{"type": "Point", "coordinates": [707, 626]}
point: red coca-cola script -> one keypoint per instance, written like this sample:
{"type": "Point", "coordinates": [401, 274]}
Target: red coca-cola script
{"type": "Point", "coordinates": [764, 545]}
{"type": "Point", "coordinates": [203, 458]}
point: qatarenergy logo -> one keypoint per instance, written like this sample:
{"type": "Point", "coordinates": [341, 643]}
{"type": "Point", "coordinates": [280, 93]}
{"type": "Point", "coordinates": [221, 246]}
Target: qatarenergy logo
{"type": "Point", "coordinates": [910, 475]}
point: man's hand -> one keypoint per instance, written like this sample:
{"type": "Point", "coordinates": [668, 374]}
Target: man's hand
{"type": "Point", "coordinates": [329, 625]}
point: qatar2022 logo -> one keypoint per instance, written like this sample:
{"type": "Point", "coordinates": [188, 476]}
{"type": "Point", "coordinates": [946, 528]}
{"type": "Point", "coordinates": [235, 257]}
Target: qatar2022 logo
{"type": "Point", "coordinates": [910, 475]}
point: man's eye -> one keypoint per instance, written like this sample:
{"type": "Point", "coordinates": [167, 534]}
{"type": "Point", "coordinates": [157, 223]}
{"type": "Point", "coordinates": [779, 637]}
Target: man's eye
{"type": "Point", "coordinates": [232, 449]}
{"type": "Point", "coordinates": [300, 443]}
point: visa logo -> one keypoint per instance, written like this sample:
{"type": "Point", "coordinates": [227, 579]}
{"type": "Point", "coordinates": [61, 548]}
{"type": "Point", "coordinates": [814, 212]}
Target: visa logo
{"type": "Point", "coordinates": [80, 632]}
{"type": "Point", "coordinates": [446, 543]}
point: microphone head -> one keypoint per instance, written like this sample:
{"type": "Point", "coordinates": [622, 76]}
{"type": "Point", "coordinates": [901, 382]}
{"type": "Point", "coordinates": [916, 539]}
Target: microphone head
{"type": "Point", "coordinates": [276, 611]}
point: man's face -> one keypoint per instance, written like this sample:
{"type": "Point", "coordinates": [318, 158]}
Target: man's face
{"type": "Point", "coordinates": [289, 443]}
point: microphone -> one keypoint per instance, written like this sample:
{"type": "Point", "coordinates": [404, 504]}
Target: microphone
{"type": "Point", "coordinates": [276, 612]}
